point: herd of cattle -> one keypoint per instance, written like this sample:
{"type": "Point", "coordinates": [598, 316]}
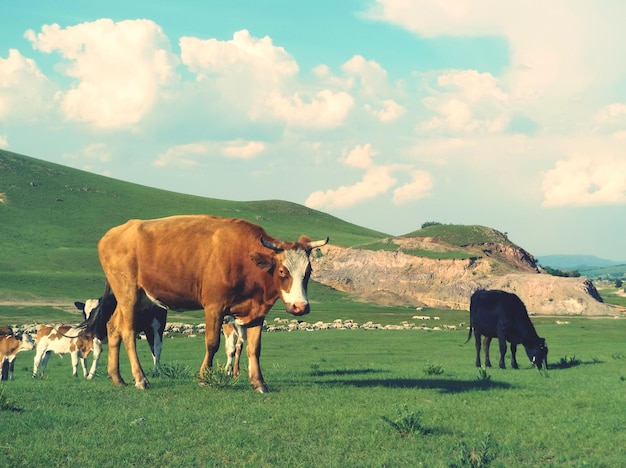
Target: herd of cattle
{"type": "Point", "coordinates": [235, 272]}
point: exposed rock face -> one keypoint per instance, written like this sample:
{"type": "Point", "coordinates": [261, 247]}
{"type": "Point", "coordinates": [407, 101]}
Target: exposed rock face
{"type": "Point", "coordinates": [396, 278]}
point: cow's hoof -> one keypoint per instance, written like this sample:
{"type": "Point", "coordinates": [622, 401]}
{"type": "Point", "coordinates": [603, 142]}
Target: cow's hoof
{"type": "Point", "coordinates": [142, 384]}
{"type": "Point", "coordinates": [262, 389]}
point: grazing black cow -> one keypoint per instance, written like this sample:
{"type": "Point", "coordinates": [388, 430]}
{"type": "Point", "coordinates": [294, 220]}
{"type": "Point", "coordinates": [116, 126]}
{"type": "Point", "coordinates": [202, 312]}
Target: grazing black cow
{"type": "Point", "coordinates": [151, 321]}
{"type": "Point", "coordinates": [503, 315]}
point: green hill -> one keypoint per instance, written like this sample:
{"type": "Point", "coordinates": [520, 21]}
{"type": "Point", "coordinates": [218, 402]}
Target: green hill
{"type": "Point", "coordinates": [52, 216]}
{"type": "Point", "coordinates": [462, 235]}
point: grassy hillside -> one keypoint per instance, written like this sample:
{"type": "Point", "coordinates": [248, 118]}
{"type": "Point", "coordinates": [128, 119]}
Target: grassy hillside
{"type": "Point", "coordinates": [52, 216]}
{"type": "Point", "coordinates": [461, 235]}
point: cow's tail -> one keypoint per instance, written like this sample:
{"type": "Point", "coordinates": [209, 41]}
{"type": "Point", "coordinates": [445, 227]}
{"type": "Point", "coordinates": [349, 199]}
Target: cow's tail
{"type": "Point", "coordinates": [469, 335]}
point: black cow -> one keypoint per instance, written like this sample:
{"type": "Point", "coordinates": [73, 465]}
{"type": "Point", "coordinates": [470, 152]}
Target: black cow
{"type": "Point", "coordinates": [151, 321]}
{"type": "Point", "coordinates": [503, 315]}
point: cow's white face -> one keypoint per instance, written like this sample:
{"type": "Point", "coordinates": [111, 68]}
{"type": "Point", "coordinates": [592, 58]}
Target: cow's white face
{"type": "Point", "coordinates": [27, 342]}
{"type": "Point", "coordinates": [294, 273]}
{"type": "Point", "coordinates": [90, 305]}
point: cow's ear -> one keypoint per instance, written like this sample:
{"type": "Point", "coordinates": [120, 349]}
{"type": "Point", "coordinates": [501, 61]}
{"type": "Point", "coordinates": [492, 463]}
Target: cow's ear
{"type": "Point", "coordinates": [80, 305]}
{"type": "Point", "coordinates": [263, 261]}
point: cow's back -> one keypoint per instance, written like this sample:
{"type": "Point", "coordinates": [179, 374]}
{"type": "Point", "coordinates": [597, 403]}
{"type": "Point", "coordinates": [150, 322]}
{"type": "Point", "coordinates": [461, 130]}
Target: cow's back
{"type": "Point", "coordinates": [493, 310]}
{"type": "Point", "coordinates": [173, 255]}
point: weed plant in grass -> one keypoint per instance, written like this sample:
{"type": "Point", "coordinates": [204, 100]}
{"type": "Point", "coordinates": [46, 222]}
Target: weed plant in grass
{"type": "Point", "coordinates": [333, 394]}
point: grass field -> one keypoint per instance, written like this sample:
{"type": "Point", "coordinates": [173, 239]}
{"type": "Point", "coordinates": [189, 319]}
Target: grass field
{"type": "Point", "coordinates": [339, 398]}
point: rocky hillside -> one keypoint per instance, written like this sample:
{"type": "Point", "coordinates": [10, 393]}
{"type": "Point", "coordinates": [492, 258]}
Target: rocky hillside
{"type": "Point", "coordinates": [419, 271]}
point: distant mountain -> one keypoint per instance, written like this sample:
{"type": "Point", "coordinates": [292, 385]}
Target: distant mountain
{"type": "Point", "coordinates": [575, 262]}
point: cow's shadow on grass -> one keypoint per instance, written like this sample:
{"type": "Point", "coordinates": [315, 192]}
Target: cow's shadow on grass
{"type": "Point", "coordinates": [343, 378]}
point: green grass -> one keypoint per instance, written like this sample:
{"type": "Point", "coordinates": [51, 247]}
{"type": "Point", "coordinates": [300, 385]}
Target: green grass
{"type": "Point", "coordinates": [53, 216]}
{"type": "Point", "coordinates": [461, 235]}
{"type": "Point", "coordinates": [391, 247]}
{"type": "Point", "coordinates": [339, 398]}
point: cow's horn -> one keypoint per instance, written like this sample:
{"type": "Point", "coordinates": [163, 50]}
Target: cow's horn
{"type": "Point", "coordinates": [316, 244]}
{"type": "Point", "coordinates": [270, 245]}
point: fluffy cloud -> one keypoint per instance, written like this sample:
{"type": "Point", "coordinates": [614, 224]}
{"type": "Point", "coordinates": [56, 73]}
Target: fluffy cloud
{"type": "Point", "coordinates": [360, 156]}
{"type": "Point", "coordinates": [119, 68]}
{"type": "Point", "coordinates": [376, 181]}
{"type": "Point", "coordinates": [258, 78]}
{"type": "Point", "coordinates": [467, 102]}
{"type": "Point", "coordinates": [420, 187]}
{"type": "Point", "coordinates": [191, 154]}
{"type": "Point", "coordinates": [25, 93]}
{"type": "Point", "coordinates": [589, 179]}
{"type": "Point", "coordinates": [550, 66]}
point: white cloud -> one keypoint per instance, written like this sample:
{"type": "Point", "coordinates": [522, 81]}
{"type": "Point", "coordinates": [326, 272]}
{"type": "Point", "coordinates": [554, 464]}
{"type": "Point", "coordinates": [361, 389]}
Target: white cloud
{"type": "Point", "coordinates": [183, 155]}
{"type": "Point", "coordinates": [327, 109]}
{"type": "Point", "coordinates": [611, 118]}
{"type": "Point", "coordinates": [259, 78]}
{"type": "Point", "coordinates": [376, 181]}
{"type": "Point", "coordinates": [360, 156]}
{"type": "Point", "coordinates": [372, 77]}
{"type": "Point", "coordinates": [467, 102]}
{"type": "Point", "coordinates": [243, 150]}
{"type": "Point", "coordinates": [92, 155]}
{"type": "Point", "coordinates": [192, 154]}
{"type": "Point", "coordinates": [4, 141]}
{"type": "Point", "coordinates": [586, 179]}
{"type": "Point", "coordinates": [419, 187]}
{"type": "Point", "coordinates": [559, 50]}
{"type": "Point", "coordinates": [119, 68]}
{"type": "Point", "coordinates": [388, 110]}
{"type": "Point", "coordinates": [25, 93]}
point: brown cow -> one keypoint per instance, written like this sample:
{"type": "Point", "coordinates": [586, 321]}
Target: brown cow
{"type": "Point", "coordinates": [10, 345]}
{"type": "Point", "coordinates": [224, 266]}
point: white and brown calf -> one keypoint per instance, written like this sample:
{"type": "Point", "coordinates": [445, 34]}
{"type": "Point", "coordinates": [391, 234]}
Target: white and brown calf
{"type": "Point", "coordinates": [234, 337]}
{"type": "Point", "coordinates": [64, 339]}
{"type": "Point", "coordinates": [10, 345]}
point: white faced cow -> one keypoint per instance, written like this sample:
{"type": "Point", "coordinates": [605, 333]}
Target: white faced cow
{"type": "Point", "coordinates": [222, 265]}
{"type": "Point", "coordinates": [503, 315]}
{"type": "Point", "coordinates": [151, 321]}
{"type": "Point", "coordinates": [64, 339]}
{"type": "Point", "coordinates": [10, 345]}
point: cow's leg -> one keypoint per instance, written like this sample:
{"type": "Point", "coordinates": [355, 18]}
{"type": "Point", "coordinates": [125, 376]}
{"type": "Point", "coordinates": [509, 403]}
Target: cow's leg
{"type": "Point", "coordinates": [241, 337]}
{"type": "Point", "coordinates": [74, 356]}
{"type": "Point", "coordinates": [486, 345]}
{"type": "Point", "coordinates": [113, 360]}
{"type": "Point", "coordinates": [477, 340]}
{"type": "Point", "coordinates": [128, 337]}
{"type": "Point", "coordinates": [513, 358]}
{"type": "Point", "coordinates": [254, 353]}
{"type": "Point", "coordinates": [154, 341]}
{"type": "Point", "coordinates": [502, 342]}
{"type": "Point", "coordinates": [40, 363]}
{"type": "Point", "coordinates": [213, 325]}
{"type": "Point", "coordinates": [83, 363]}
{"type": "Point", "coordinates": [5, 368]}
{"type": "Point", "coordinates": [230, 338]}
{"type": "Point", "coordinates": [97, 349]}
{"type": "Point", "coordinates": [37, 361]}
{"type": "Point", "coordinates": [11, 364]}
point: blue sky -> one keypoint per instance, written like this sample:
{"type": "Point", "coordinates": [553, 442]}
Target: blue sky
{"type": "Point", "coordinates": [387, 113]}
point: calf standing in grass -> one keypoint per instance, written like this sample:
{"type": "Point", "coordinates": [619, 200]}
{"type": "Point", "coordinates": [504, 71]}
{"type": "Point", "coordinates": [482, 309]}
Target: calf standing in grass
{"type": "Point", "coordinates": [234, 335]}
{"type": "Point", "coordinates": [64, 339]}
{"type": "Point", "coordinates": [503, 315]}
{"type": "Point", "coordinates": [10, 345]}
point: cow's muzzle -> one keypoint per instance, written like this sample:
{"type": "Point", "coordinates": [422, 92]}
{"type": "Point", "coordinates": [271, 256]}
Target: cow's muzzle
{"type": "Point", "coordinates": [298, 308]}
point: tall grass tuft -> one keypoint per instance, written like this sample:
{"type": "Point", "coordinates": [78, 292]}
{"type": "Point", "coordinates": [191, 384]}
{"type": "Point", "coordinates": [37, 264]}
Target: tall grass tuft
{"type": "Point", "coordinates": [568, 361]}
{"type": "Point", "coordinates": [217, 377]}
{"type": "Point", "coordinates": [408, 423]}
{"type": "Point", "coordinates": [173, 371]}
{"type": "Point", "coordinates": [477, 456]}
{"type": "Point", "coordinates": [433, 369]}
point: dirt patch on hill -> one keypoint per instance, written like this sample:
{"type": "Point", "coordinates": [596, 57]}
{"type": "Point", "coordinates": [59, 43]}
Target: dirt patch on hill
{"type": "Point", "coordinates": [396, 278]}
